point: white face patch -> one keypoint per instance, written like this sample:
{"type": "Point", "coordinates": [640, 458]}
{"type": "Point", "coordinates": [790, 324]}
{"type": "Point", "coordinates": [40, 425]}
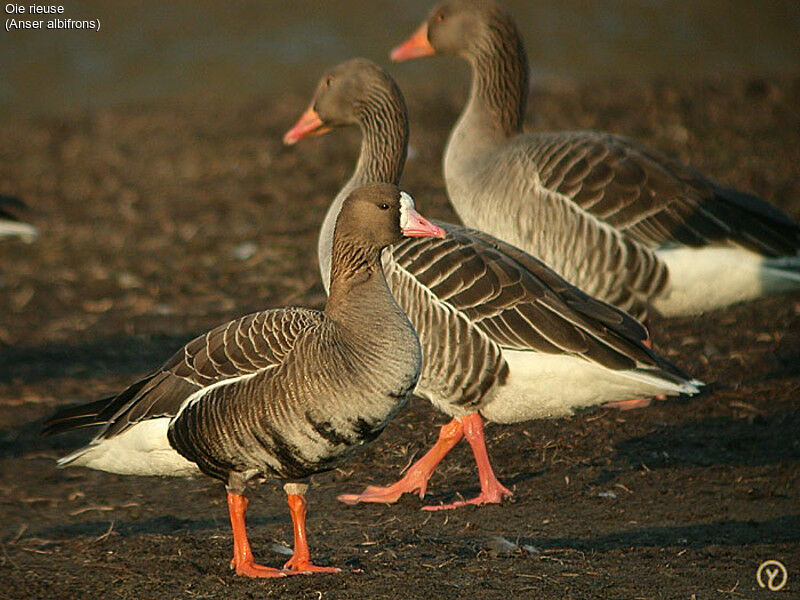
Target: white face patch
{"type": "Point", "coordinates": [406, 203]}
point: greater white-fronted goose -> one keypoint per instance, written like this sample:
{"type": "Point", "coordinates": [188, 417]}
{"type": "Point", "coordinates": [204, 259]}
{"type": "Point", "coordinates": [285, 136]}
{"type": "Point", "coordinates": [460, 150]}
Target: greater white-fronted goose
{"type": "Point", "coordinates": [503, 337]}
{"type": "Point", "coordinates": [619, 220]}
{"type": "Point", "coordinates": [283, 393]}
{"type": "Point", "coordinates": [10, 224]}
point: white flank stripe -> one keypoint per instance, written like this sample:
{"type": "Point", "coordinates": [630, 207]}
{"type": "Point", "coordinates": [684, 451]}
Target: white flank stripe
{"type": "Point", "coordinates": [198, 395]}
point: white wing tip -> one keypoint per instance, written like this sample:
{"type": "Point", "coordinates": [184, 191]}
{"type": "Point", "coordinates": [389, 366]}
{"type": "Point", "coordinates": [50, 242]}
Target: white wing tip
{"type": "Point", "coordinates": [669, 385]}
{"type": "Point", "coordinates": [692, 387]}
{"type": "Point", "coordinates": [24, 231]}
{"type": "Point", "coordinates": [67, 460]}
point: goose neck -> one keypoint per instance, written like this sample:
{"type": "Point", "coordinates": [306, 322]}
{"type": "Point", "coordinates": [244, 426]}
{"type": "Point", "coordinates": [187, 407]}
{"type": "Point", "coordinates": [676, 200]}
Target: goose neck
{"type": "Point", "coordinates": [384, 128]}
{"type": "Point", "coordinates": [499, 89]}
{"type": "Point", "coordinates": [358, 289]}
{"type": "Point", "coordinates": [383, 121]}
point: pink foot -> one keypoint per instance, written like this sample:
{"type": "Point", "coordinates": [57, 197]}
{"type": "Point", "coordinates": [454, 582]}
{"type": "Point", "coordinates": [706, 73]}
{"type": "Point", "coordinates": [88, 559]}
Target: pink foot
{"type": "Point", "coordinates": [296, 567]}
{"type": "Point", "coordinates": [416, 478]}
{"type": "Point", "coordinates": [243, 561]}
{"type": "Point", "coordinates": [251, 569]}
{"type": "Point", "coordinates": [495, 497]}
{"type": "Point", "coordinates": [301, 559]}
{"type": "Point", "coordinates": [631, 404]}
{"type": "Point", "coordinates": [492, 491]}
{"type": "Point", "coordinates": [379, 494]}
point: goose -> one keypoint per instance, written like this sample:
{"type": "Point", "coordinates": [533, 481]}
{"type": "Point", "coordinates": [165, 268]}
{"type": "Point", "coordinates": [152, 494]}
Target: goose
{"type": "Point", "coordinates": [283, 393]}
{"type": "Point", "coordinates": [10, 225]}
{"type": "Point", "coordinates": [503, 337]}
{"type": "Point", "coordinates": [619, 220]}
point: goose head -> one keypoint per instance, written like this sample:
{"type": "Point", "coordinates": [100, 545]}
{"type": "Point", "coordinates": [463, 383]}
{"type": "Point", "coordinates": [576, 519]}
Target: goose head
{"type": "Point", "coordinates": [455, 27]}
{"type": "Point", "coordinates": [342, 98]}
{"type": "Point", "coordinates": [379, 215]}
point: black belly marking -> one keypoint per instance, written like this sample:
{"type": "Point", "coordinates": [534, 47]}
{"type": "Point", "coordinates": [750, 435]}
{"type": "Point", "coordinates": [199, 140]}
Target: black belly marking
{"type": "Point", "coordinates": [366, 431]}
{"type": "Point", "coordinates": [326, 431]}
{"type": "Point", "coordinates": [291, 462]}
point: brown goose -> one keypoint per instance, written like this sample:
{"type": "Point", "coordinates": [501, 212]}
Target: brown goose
{"type": "Point", "coordinates": [503, 337]}
{"type": "Point", "coordinates": [283, 393]}
{"type": "Point", "coordinates": [619, 220]}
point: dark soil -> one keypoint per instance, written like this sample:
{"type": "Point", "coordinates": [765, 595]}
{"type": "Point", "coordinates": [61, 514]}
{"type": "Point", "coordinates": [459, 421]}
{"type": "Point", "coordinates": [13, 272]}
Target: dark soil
{"type": "Point", "coordinates": [161, 221]}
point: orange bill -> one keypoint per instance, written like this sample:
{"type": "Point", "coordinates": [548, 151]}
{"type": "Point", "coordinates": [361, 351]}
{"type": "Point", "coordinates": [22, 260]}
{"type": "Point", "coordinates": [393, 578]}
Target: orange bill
{"type": "Point", "coordinates": [416, 46]}
{"type": "Point", "coordinates": [307, 125]}
{"type": "Point", "coordinates": [415, 225]}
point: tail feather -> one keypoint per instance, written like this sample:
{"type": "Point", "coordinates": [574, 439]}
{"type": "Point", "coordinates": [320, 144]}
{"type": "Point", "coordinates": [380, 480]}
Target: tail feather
{"type": "Point", "coordinates": [794, 275]}
{"type": "Point", "coordinates": [99, 412]}
{"type": "Point", "coordinates": [761, 226]}
{"type": "Point", "coordinates": [786, 265]}
{"type": "Point", "coordinates": [779, 275]}
{"type": "Point", "coordinates": [76, 417]}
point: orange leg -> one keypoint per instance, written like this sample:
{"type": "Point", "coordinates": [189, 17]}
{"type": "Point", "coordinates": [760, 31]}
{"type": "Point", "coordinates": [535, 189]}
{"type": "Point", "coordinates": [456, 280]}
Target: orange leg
{"type": "Point", "coordinates": [492, 491]}
{"type": "Point", "coordinates": [301, 559]}
{"type": "Point", "coordinates": [242, 555]}
{"type": "Point", "coordinates": [417, 476]}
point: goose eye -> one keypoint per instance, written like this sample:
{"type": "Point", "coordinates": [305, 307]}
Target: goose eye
{"type": "Point", "coordinates": [439, 17]}
{"type": "Point", "coordinates": [328, 81]}
{"type": "Point", "coordinates": [384, 206]}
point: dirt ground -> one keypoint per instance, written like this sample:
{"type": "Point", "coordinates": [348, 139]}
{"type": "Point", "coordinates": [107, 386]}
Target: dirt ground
{"type": "Point", "coordinates": [160, 221]}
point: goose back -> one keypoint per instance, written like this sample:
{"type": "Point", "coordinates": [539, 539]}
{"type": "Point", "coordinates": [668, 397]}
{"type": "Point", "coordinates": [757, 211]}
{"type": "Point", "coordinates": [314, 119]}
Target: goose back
{"type": "Point", "coordinates": [585, 250]}
{"type": "Point", "coordinates": [655, 199]}
{"type": "Point", "coordinates": [473, 298]}
{"type": "Point", "coordinates": [650, 203]}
